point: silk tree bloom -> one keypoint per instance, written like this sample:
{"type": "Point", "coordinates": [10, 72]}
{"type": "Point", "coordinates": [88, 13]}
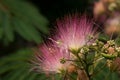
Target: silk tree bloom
{"type": "Point", "coordinates": [73, 32]}
{"type": "Point", "coordinates": [50, 60]}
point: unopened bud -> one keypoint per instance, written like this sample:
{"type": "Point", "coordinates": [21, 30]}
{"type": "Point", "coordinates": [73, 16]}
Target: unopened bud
{"type": "Point", "coordinates": [84, 50]}
{"type": "Point", "coordinates": [111, 50]}
{"type": "Point", "coordinates": [71, 68]}
{"type": "Point", "coordinates": [118, 49]}
{"type": "Point", "coordinates": [111, 42]}
{"type": "Point", "coordinates": [62, 61]}
{"type": "Point", "coordinates": [109, 56]}
{"type": "Point", "coordinates": [106, 46]}
{"type": "Point", "coordinates": [94, 44]}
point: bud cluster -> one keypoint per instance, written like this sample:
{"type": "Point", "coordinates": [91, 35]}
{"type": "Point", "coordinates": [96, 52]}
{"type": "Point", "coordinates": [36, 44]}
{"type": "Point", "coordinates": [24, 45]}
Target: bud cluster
{"type": "Point", "coordinates": [110, 50]}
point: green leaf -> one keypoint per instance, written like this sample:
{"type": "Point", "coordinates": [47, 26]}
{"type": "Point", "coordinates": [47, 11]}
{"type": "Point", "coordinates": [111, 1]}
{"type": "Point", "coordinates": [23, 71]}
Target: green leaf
{"type": "Point", "coordinates": [28, 12]}
{"type": "Point", "coordinates": [103, 37]}
{"type": "Point", "coordinates": [8, 29]}
{"type": "Point", "coordinates": [21, 17]}
{"type": "Point", "coordinates": [25, 29]}
{"type": "Point", "coordinates": [15, 67]}
{"type": "Point", "coordinates": [1, 32]}
{"type": "Point", "coordinates": [104, 72]}
{"type": "Point", "coordinates": [1, 28]}
{"type": "Point", "coordinates": [117, 40]}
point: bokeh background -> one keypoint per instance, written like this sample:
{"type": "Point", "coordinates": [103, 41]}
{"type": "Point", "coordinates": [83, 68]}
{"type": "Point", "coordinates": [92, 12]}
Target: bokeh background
{"type": "Point", "coordinates": [42, 13]}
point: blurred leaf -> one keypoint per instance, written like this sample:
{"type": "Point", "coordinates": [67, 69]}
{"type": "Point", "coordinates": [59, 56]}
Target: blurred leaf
{"type": "Point", "coordinates": [104, 72]}
{"type": "Point", "coordinates": [23, 18]}
{"type": "Point", "coordinates": [1, 28]}
{"type": "Point", "coordinates": [16, 67]}
{"type": "Point", "coordinates": [22, 28]}
{"type": "Point", "coordinates": [103, 37]}
{"type": "Point", "coordinates": [1, 32]}
{"type": "Point", "coordinates": [117, 40]}
{"type": "Point", "coordinates": [8, 30]}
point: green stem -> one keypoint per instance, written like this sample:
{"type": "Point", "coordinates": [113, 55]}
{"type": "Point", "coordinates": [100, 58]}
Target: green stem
{"type": "Point", "coordinates": [87, 67]}
{"type": "Point", "coordinates": [65, 76]}
{"type": "Point", "coordinates": [81, 61]}
{"type": "Point", "coordinates": [106, 78]}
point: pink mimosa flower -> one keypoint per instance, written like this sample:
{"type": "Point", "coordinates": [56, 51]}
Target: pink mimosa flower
{"type": "Point", "coordinates": [73, 32]}
{"type": "Point", "coordinates": [50, 59]}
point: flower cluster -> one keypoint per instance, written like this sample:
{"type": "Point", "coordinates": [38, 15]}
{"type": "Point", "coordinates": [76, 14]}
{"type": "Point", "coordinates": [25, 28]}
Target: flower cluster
{"type": "Point", "coordinates": [72, 33]}
{"type": "Point", "coordinates": [75, 47]}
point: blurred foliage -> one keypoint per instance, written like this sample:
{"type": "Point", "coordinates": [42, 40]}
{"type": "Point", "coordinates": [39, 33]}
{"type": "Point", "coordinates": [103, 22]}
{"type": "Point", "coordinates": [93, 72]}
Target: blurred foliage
{"type": "Point", "coordinates": [19, 16]}
{"type": "Point", "coordinates": [16, 67]}
{"type": "Point", "coordinates": [19, 20]}
{"type": "Point", "coordinates": [104, 73]}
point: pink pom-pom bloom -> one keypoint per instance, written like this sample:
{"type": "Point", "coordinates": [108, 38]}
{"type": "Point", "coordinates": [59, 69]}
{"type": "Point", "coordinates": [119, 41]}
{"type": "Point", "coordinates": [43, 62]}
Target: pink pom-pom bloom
{"type": "Point", "coordinates": [73, 32]}
{"type": "Point", "coordinates": [50, 59]}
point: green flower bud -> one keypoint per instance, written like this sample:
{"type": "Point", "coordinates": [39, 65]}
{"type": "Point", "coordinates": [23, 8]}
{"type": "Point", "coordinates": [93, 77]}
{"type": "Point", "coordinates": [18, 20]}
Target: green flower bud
{"type": "Point", "coordinates": [99, 43]}
{"type": "Point", "coordinates": [62, 61]}
{"type": "Point", "coordinates": [85, 49]}
{"type": "Point", "coordinates": [109, 56]}
{"type": "Point", "coordinates": [111, 42]}
{"type": "Point", "coordinates": [117, 49]}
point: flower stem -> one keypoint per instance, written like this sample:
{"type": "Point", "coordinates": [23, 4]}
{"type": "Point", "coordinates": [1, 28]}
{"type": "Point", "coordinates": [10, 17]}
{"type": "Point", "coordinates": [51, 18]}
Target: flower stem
{"type": "Point", "coordinates": [85, 66]}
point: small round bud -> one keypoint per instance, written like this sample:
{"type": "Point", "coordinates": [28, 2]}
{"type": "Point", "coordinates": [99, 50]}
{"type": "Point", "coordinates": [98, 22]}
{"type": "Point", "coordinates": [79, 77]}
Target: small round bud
{"type": "Point", "coordinates": [106, 46]}
{"type": "Point", "coordinates": [111, 42]}
{"type": "Point", "coordinates": [109, 56]}
{"type": "Point", "coordinates": [90, 37]}
{"type": "Point", "coordinates": [94, 44]}
{"type": "Point", "coordinates": [84, 49]}
{"type": "Point", "coordinates": [100, 43]}
{"type": "Point", "coordinates": [71, 68]}
{"type": "Point", "coordinates": [117, 49]}
{"type": "Point", "coordinates": [111, 50]}
{"type": "Point", "coordinates": [106, 51]}
{"type": "Point", "coordinates": [62, 61]}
